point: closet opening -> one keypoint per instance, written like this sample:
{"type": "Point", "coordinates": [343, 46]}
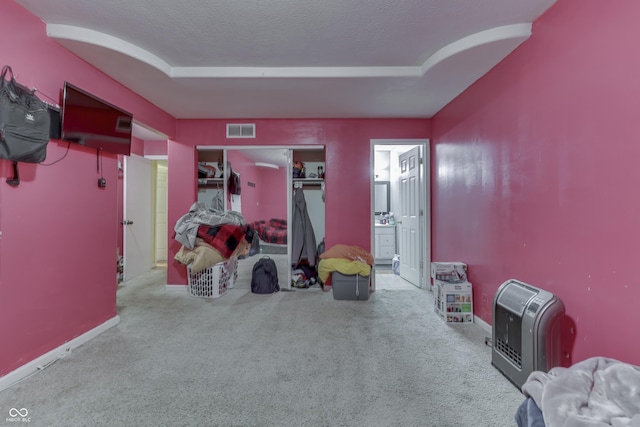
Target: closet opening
{"type": "Point", "coordinates": [268, 185]}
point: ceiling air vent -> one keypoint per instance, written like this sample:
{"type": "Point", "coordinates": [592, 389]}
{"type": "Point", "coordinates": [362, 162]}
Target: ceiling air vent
{"type": "Point", "coordinates": [241, 130]}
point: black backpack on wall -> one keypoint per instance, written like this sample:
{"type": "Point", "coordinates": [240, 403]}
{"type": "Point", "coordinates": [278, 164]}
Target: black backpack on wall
{"type": "Point", "coordinates": [264, 277]}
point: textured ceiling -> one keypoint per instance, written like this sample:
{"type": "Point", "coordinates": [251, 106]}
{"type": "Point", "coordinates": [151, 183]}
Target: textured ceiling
{"type": "Point", "coordinates": [292, 58]}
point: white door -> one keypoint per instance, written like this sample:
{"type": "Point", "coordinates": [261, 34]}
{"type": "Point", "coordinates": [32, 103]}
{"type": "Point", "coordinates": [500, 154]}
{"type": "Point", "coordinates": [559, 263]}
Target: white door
{"type": "Point", "coordinates": [137, 216]}
{"type": "Point", "coordinates": [408, 224]}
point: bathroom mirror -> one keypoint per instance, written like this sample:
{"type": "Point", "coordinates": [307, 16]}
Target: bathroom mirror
{"type": "Point", "coordinates": [381, 197]}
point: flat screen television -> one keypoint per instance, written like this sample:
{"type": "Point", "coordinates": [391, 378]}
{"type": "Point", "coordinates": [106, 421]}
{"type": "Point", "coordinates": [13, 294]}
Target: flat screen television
{"type": "Point", "coordinates": [93, 122]}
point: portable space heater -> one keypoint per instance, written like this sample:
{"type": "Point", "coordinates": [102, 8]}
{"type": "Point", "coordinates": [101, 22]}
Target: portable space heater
{"type": "Point", "coordinates": [526, 330]}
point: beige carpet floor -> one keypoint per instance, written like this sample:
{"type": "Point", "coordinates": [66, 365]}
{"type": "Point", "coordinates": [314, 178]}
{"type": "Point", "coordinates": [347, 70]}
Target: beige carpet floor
{"type": "Point", "coordinates": [296, 358]}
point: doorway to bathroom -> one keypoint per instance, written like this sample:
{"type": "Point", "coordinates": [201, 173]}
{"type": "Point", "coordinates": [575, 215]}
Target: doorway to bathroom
{"type": "Point", "coordinates": [400, 216]}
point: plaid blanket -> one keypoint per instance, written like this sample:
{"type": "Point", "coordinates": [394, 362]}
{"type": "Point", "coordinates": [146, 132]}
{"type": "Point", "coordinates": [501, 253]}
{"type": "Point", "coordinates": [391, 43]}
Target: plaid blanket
{"type": "Point", "coordinates": [274, 231]}
{"type": "Point", "coordinates": [225, 238]}
{"type": "Point", "coordinates": [186, 228]}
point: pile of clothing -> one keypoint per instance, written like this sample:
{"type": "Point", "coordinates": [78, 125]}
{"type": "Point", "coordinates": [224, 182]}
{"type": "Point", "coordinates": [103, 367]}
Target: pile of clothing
{"type": "Point", "coordinates": [298, 170]}
{"type": "Point", "coordinates": [345, 259]}
{"type": "Point", "coordinates": [209, 237]}
{"type": "Point", "coordinates": [272, 231]}
{"type": "Point", "coordinates": [304, 276]}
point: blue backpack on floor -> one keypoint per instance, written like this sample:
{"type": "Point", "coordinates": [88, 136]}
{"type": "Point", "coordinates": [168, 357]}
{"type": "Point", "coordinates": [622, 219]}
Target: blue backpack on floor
{"type": "Point", "coordinates": [264, 277]}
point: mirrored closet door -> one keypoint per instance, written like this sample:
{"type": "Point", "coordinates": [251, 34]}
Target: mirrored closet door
{"type": "Point", "coordinates": [259, 183]}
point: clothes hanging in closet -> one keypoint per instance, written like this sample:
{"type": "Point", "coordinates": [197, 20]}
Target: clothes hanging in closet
{"type": "Point", "coordinates": [217, 202]}
{"type": "Point", "coordinates": [303, 239]}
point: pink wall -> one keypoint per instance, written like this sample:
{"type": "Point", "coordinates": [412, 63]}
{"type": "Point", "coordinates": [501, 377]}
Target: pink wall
{"type": "Point", "coordinates": [273, 194]}
{"type": "Point", "coordinates": [268, 198]}
{"type": "Point", "coordinates": [347, 143]}
{"type": "Point", "coordinates": [59, 229]}
{"type": "Point", "coordinates": [535, 174]}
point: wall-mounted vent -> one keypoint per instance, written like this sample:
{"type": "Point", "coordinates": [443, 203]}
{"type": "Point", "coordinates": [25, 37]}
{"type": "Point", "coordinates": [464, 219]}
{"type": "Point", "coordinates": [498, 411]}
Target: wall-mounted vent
{"type": "Point", "coordinates": [241, 130]}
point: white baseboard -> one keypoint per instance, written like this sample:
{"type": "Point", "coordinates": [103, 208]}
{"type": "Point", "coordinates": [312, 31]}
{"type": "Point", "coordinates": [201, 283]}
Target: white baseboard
{"type": "Point", "coordinates": [176, 288]}
{"type": "Point", "coordinates": [47, 359]}
{"type": "Point", "coordinates": [483, 325]}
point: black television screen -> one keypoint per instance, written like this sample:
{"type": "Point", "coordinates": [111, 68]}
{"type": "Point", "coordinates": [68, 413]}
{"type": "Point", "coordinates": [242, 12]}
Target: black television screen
{"type": "Point", "coordinates": [93, 122]}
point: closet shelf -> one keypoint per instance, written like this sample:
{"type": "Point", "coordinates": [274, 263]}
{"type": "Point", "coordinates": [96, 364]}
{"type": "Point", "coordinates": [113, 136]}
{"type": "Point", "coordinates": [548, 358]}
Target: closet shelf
{"type": "Point", "coordinates": [308, 180]}
{"type": "Point", "coordinates": [210, 182]}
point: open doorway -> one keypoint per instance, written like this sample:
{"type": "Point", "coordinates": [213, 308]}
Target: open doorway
{"type": "Point", "coordinates": [400, 216]}
{"type": "Point", "coordinates": [145, 215]}
{"type": "Point", "coordinates": [144, 191]}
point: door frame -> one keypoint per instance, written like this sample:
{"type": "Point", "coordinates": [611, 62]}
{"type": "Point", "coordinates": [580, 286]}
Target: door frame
{"type": "Point", "coordinates": [425, 200]}
{"type": "Point", "coordinates": [156, 159]}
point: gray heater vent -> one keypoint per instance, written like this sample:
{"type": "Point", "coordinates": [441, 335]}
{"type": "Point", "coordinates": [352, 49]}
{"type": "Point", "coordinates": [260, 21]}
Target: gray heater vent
{"type": "Point", "coordinates": [526, 330]}
{"type": "Point", "coordinates": [241, 130]}
{"type": "Point", "coordinates": [517, 298]}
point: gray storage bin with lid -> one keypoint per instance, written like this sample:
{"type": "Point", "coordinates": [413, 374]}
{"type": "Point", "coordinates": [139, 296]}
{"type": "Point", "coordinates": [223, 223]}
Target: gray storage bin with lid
{"type": "Point", "coordinates": [349, 286]}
